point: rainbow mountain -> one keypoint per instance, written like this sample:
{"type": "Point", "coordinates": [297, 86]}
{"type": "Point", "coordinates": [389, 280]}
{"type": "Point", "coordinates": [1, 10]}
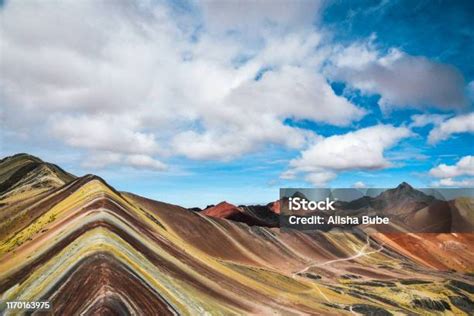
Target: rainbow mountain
{"type": "Point", "coordinates": [92, 250]}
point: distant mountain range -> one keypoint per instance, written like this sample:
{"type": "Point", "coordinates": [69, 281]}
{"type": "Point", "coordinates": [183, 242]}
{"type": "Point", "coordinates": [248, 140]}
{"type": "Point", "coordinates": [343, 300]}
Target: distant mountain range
{"type": "Point", "coordinates": [92, 250]}
{"type": "Point", "coordinates": [253, 215]}
{"type": "Point", "coordinates": [409, 208]}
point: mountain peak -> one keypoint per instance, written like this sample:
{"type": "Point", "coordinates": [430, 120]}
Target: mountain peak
{"type": "Point", "coordinates": [404, 186]}
{"type": "Point", "coordinates": [402, 194]}
{"type": "Point", "coordinates": [225, 204]}
{"type": "Point", "coordinates": [26, 173]}
{"type": "Point", "coordinates": [222, 210]}
{"type": "Point", "coordinates": [21, 157]}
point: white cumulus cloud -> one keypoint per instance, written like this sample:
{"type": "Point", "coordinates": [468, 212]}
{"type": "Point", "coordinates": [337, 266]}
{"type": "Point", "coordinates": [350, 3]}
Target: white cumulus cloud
{"type": "Point", "coordinates": [400, 79]}
{"type": "Point", "coordinates": [458, 175]}
{"type": "Point", "coordinates": [141, 78]}
{"type": "Point", "coordinates": [135, 83]}
{"type": "Point", "coordinates": [320, 178]}
{"type": "Point", "coordinates": [145, 162]}
{"type": "Point", "coordinates": [359, 150]}
{"type": "Point", "coordinates": [104, 159]}
{"type": "Point", "coordinates": [465, 166]}
{"type": "Point", "coordinates": [109, 133]}
{"type": "Point", "coordinates": [450, 182]}
{"type": "Point", "coordinates": [253, 16]}
{"type": "Point", "coordinates": [455, 125]}
{"type": "Point", "coordinates": [359, 185]}
{"type": "Point", "coordinates": [421, 120]}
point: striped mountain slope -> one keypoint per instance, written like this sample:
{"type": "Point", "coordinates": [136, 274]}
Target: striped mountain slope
{"type": "Point", "coordinates": [89, 249]}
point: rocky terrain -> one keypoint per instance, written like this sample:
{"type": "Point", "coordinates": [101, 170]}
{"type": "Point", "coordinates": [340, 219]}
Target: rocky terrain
{"type": "Point", "coordinates": [89, 249]}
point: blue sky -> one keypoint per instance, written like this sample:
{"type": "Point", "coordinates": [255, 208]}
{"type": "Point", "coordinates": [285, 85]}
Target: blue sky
{"type": "Point", "coordinates": [198, 102]}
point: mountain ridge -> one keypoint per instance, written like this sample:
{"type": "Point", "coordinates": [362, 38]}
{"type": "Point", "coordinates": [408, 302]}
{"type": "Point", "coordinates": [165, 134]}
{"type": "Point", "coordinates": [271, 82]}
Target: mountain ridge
{"type": "Point", "coordinates": [23, 172]}
{"type": "Point", "coordinates": [184, 262]}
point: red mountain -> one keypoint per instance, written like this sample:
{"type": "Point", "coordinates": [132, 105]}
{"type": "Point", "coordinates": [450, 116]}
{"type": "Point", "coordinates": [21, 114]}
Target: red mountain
{"type": "Point", "coordinates": [222, 210]}
{"type": "Point", "coordinates": [234, 213]}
